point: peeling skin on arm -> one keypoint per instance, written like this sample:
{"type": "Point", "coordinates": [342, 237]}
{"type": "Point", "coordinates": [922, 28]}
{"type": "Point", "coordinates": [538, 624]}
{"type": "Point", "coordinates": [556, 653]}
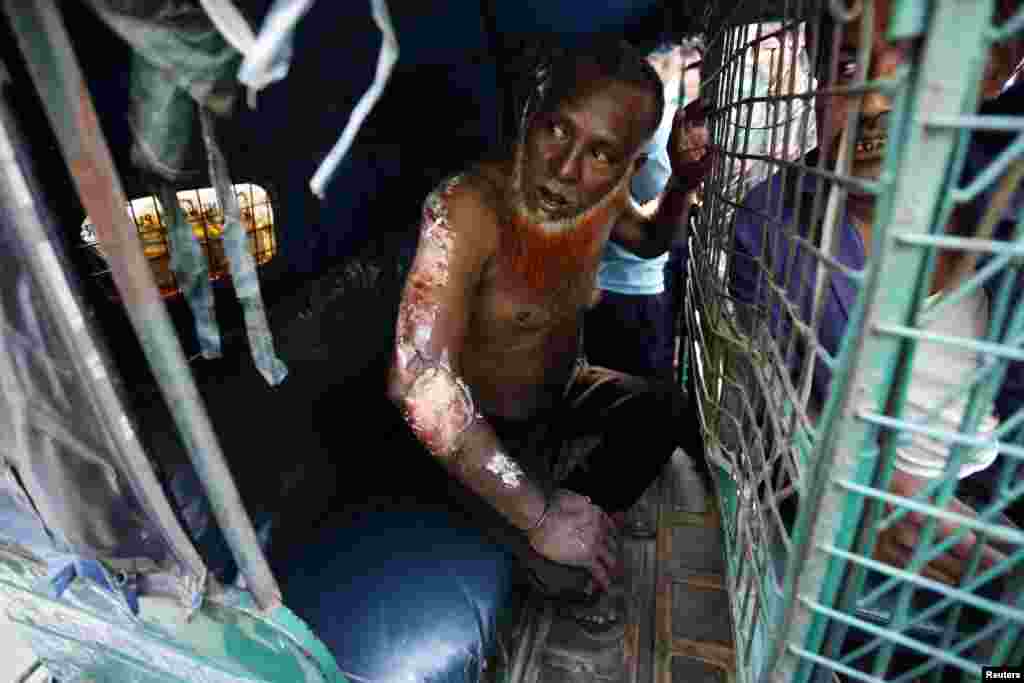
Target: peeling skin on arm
{"type": "Point", "coordinates": [439, 408]}
{"type": "Point", "coordinates": [436, 403]}
{"type": "Point", "coordinates": [425, 379]}
{"type": "Point", "coordinates": [501, 466]}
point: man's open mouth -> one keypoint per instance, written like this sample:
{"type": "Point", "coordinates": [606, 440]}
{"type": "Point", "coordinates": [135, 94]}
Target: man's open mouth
{"type": "Point", "coordinates": [871, 146]}
{"type": "Point", "coordinates": [551, 202]}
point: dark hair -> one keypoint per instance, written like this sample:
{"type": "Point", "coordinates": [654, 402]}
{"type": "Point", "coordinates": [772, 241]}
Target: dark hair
{"type": "Point", "coordinates": [554, 75]}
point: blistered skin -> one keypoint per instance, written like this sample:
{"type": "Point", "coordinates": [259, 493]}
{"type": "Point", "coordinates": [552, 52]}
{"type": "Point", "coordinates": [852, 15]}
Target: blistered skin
{"type": "Point", "coordinates": [439, 408]}
{"type": "Point", "coordinates": [505, 469]}
{"type": "Point", "coordinates": [436, 403]}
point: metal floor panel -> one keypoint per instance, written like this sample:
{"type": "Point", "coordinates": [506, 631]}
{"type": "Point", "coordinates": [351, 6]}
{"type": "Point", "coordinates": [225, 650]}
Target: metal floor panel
{"type": "Point", "coordinates": [676, 626]}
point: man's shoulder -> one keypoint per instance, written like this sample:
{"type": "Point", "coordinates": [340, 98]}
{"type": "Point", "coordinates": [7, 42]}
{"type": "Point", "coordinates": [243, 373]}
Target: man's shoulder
{"type": "Point", "coordinates": [467, 204]}
{"type": "Point", "coordinates": [464, 194]}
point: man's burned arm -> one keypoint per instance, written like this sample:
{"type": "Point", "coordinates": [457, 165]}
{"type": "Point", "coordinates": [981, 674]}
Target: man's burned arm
{"type": "Point", "coordinates": [425, 382]}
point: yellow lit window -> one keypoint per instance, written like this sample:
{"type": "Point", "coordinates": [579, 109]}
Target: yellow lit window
{"type": "Point", "coordinates": [206, 217]}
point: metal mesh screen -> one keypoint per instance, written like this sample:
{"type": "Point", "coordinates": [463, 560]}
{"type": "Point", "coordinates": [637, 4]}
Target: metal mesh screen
{"type": "Point", "coordinates": [853, 304]}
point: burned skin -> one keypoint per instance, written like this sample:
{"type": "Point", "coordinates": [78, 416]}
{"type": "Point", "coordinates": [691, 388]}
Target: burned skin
{"type": "Point", "coordinates": [488, 320]}
{"type": "Point", "coordinates": [437, 404]}
{"type": "Point", "coordinates": [425, 382]}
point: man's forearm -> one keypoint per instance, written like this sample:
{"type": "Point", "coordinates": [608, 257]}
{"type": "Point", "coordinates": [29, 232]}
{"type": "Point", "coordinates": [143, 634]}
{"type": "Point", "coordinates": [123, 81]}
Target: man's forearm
{"type": "Point", "coordinates": [439, 408]}
{"type": "Point", "coordinates": [670, 224]}
{"type": "Point", "coordinates": [648, 237]}
{"type": "Point", "coordinates": [484, 466]}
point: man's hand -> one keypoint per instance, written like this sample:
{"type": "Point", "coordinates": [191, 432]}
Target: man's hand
{"type": "Point", "coordinates": [688, 145]}
{"type": "Point", "coordinates": [578, 533]}
{"type": "Point", "coordinates": [896, 544]}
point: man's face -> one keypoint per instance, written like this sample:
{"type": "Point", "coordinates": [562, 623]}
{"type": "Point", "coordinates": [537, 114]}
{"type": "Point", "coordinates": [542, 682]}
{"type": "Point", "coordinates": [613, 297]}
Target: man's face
{"type": "Point", "coordinates": [831, 111]}
{"type": "Point", "coordinates": [577, 155]}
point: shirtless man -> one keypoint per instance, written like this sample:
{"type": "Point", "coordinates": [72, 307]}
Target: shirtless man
{"type": "Point", "coordinates": [487, 367]}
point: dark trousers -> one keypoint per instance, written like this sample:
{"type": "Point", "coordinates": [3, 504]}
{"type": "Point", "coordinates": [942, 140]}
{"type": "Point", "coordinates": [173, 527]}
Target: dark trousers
{"type": "Point", "coordinates": [632, 333]}
{"type": "Point", "coordinates": [609, 440]}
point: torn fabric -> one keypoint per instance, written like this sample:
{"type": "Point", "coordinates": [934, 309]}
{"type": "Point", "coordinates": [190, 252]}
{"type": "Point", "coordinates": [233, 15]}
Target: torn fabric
{"type": "Point", "coordinates": [243, 265]}
{"type": "Point", "coordinates": [385, 64]}
{"type": "Point", "coordinates": [235, 29]}
{"type": "Point", "coordinates": [162, 118]}
{"type": "Point", "coordinates": [179, 39]}
{"type": "Point", "coordinates": [192, 269]}
{"type": "Point", "coordinates": [271, 55]}
{"type": "Point", "coordinates": [231, 24]}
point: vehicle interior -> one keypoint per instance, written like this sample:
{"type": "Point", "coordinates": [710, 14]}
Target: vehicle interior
{"type": "Point", "coordinates": [350, 512]}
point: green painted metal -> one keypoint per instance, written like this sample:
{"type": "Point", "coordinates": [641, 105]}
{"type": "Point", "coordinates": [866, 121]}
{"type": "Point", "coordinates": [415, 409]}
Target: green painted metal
{"type": "Point", "coordinates": [87, 633]}
{"type": "Point", "coordinates": [84, 636]}
{"type": "Point", "coordinates": [770, 442]}
{"type": "Point", "coordinates": [43, 39]}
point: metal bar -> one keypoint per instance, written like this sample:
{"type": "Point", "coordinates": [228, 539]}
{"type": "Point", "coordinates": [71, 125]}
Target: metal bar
{"type": "Point", "coordinates": [976, 122]}
{"type": "Point", "coordinates": [890, 636]}
{"type": "Point", "coordinates": [990, 348]}
{"type": "Point", "coordinates": [1001, 533]}
{"type": "Point", "coordinates": [53, 65]}
{"type": "Point", "coordinates": [951, 592]}
{"type": "Point", "coordinates": [29, 672]}
{"type": "Point", "coordinates": [973, 244]}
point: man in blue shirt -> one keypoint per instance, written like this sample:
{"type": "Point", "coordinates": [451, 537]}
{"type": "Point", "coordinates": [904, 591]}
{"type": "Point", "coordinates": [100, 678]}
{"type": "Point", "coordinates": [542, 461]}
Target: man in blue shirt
{"type": "Point", "coordinates": [631, 326]}
{"type": "Point", "coordinates": [773, 212]}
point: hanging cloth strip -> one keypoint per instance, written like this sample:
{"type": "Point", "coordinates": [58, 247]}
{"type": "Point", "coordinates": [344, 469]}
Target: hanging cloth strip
{"type": "Point", "coordinates": [183, 62]}
{"type": "Point", "coordinates": [191, 268]}
{"type": "Point", "coordinates": [163, 121]}
{"type": "Point", "coordinates": [243, 266]}
{"type": "Point", "coordinates": [271, 54]}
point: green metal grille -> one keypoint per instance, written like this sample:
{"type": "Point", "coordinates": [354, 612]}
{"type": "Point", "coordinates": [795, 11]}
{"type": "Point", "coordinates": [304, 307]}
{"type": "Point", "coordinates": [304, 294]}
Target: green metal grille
{"type": "Point", "coordinates": [804, 479]}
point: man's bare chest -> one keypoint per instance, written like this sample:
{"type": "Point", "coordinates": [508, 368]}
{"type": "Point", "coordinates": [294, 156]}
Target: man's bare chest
{"type": "Point", "coordinates": [508, 308]}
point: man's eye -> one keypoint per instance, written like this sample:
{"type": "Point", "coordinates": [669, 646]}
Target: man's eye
{"type": "Point", "coordinates": [602, 157]}
{"type": "Point", "coordinates": [558, 131]}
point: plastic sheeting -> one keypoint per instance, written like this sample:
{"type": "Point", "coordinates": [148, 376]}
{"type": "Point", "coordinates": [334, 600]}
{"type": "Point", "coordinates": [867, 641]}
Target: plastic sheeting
{"type": "Point", "coordinates": [65, 491]}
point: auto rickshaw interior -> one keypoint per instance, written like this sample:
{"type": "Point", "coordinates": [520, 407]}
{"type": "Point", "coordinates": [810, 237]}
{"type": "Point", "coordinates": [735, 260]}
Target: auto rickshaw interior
{"type": "Point", "coordinates": [351, 512]}
{"type": "Point", "coordinates": [324, 450]}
